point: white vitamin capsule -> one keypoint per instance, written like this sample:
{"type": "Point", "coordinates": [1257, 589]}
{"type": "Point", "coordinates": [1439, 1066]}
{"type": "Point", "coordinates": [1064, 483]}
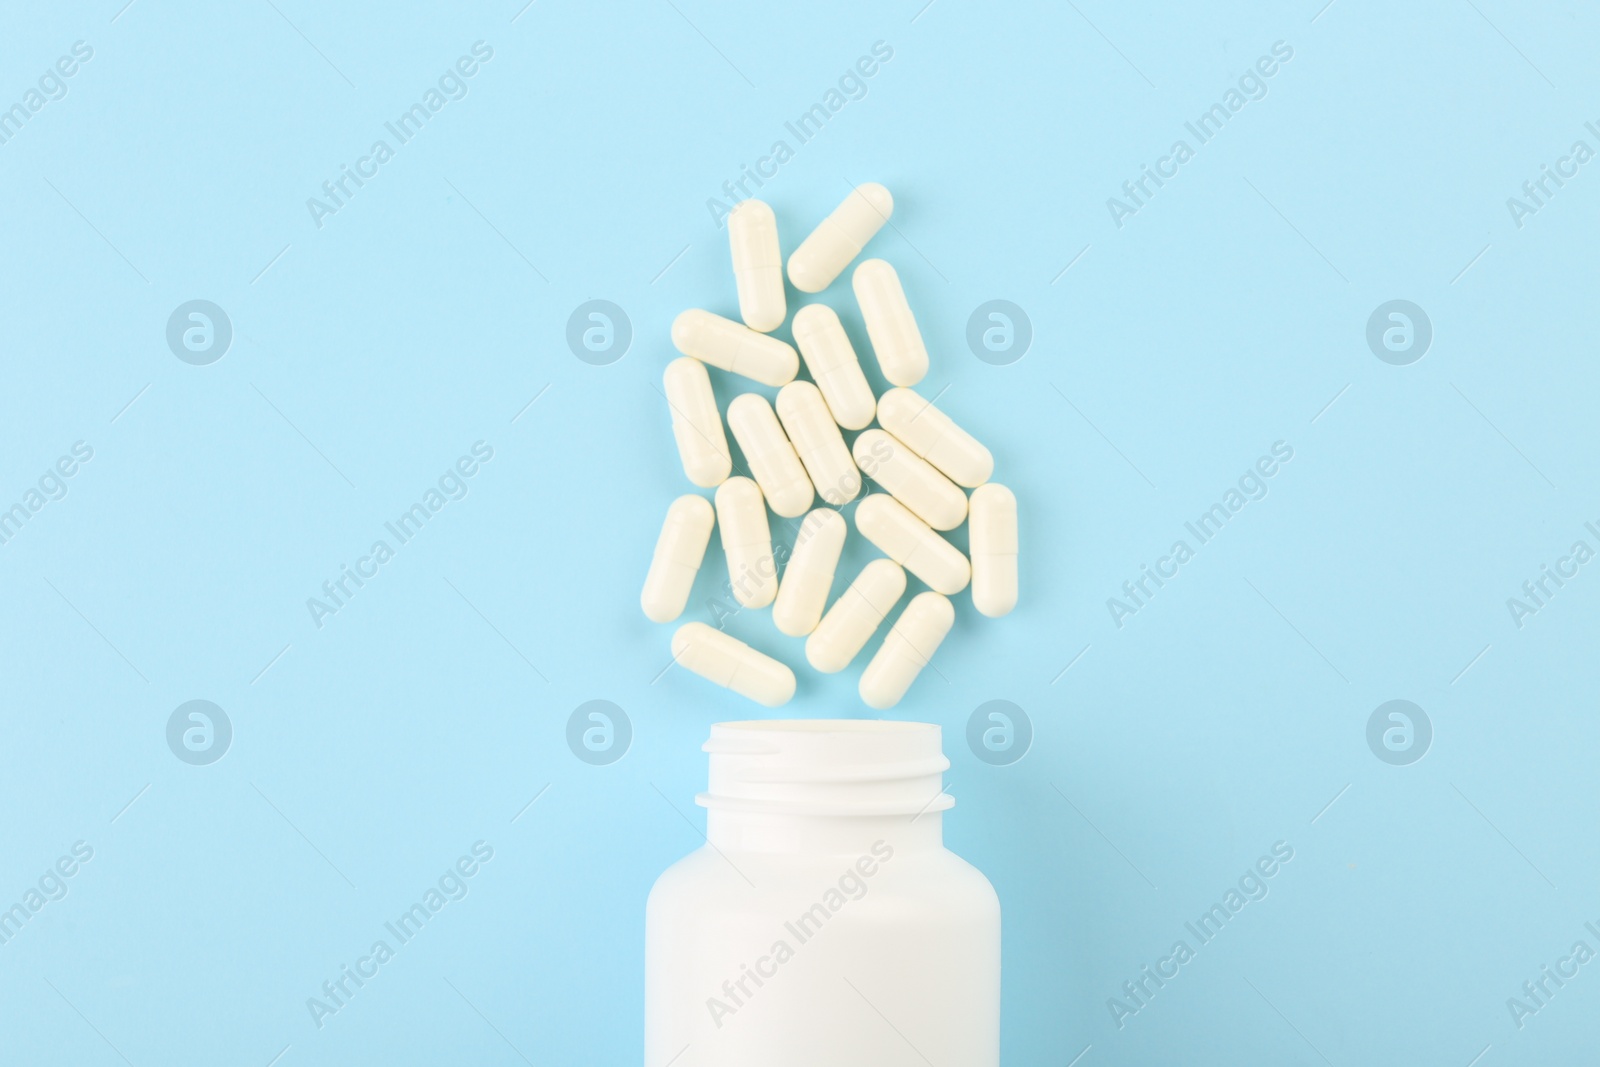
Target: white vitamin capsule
{"type": "Point", "coordinates": [757, 265]}
{"type": "Point", "coordinates": [910, 542]}
{"type": "Point", "coordinates": [935, 499]}
{"type": "Point", "coordinates": [818, 443]}
{"type": "Point", "coordinates": [696, 424]}
{"type": "Point", "coordinates": [994, 549]}
{"type": "Point", "coordinates": [734, 347]}
{"type": "Point", "coordinates": [906, 649]}
{"type": "Point", "coordinates": [855, 616]}
{"type": "Point", "coordinates": [891, 327]}
{"type": "Point", "coordinates": [777, 469]}
{"type": "Point", "coordinates": [746, 542]}
{"type": "Point", "coordinates": [825, 254]}
{"type": "Point", "coordinates": [679, 551]}
{"type": "Point", "coordinates": [833, 365]}
{"type": "Point", "coordinates": [808, 576]}
{"type": "Point", "coordinates": [732, 664]}
{"type": "Point", "coordinates": [934, 436]}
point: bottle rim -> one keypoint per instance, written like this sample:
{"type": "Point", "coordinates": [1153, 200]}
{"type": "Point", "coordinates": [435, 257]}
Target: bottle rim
{"type": "Point", "coordinates": [826, 767]}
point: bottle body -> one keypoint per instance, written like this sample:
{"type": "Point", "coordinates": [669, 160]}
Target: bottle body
{"type": "Point", "coordinates": [823, 923]}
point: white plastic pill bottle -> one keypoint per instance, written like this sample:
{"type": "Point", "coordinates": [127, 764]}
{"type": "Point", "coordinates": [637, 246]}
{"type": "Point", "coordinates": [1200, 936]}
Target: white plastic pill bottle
{"type": "Point", "coordinates": [824, 922]}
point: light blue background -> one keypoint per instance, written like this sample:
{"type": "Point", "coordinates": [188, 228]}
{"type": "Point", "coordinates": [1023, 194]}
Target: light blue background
{"type": "Point", "coordinates": [369, 354]}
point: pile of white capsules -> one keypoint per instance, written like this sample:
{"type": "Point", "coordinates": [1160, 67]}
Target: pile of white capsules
{"type": "Point", "coordinates": [922, 460]}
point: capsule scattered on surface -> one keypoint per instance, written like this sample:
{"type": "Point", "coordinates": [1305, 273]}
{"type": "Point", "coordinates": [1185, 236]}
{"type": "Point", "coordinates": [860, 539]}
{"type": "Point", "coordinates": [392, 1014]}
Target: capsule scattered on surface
{"type": "Point", "coordinates": [840, 237]}
{"type": "Point", "coordinates": [896, 341]}
{"type": "Point", "coordinates": [808, 576]}
{"type": "Point", "coordinates": [696, 423]}
{"type": "Point", "coordinates": [855, 616]}
{"type": "Point", "coordinates": [732, 664]}
{"type": "Point", "coordinates": [906, 649]}
{"type": "Point", "coordinates": [777, 469]}
{"type": "Point", "coordinates": [833, 365]}
{"type": "Point", "coordinates": [818, 443]}
{"type": "Point", "coordinates": [910, 542]}
{"type": "Point", "coordinates": [910, 479]}
{"type": "Point", "coordinates": [757, 265]}
{"type": "Point", "coordinates": [679, 551]}
{"type": "Point", "coordinates": [994, 549]}
{"type": "Point", "coordinates": [934, 436]}
{"type": "Point", "coordinates": [747, 542]}
{"type": "Point", "coordinates": [734, 347]}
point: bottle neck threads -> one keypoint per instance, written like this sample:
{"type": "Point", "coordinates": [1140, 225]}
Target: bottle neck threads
{"type": "Point", "coordinates": [782, 785]}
